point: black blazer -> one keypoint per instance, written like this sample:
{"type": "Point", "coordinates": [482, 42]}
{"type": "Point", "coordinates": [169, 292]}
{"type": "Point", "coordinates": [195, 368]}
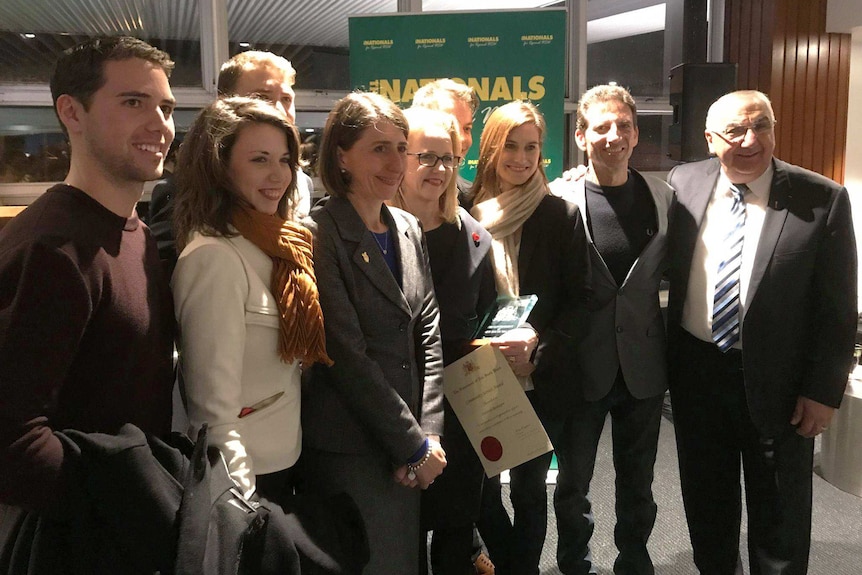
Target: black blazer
{"type": "Point", "coordinates": [800, 318]}
{"type": "Point", "coordinates": [465, 288]}
{"type": "Point", "coordinates": [553, 263]}
{"type": "Point", "coordinates": [464, 282]}
{"type": "Point", "coordinates": [384, 391]}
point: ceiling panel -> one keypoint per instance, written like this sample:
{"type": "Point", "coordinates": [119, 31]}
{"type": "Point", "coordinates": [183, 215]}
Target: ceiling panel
{"type": "Point", "coordinates": [166, 19]}
{"type": "Point", "coordinates": [308, 22]}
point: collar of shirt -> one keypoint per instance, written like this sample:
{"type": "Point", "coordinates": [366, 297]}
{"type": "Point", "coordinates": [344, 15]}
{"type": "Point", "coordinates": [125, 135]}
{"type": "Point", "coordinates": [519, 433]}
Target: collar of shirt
{"type": "Point", "coordinates": [758, 189]}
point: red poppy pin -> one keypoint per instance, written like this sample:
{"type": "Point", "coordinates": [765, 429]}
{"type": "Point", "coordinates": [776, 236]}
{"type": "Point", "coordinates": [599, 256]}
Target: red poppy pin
{"type": "Point", "coordinates": [476, 239]}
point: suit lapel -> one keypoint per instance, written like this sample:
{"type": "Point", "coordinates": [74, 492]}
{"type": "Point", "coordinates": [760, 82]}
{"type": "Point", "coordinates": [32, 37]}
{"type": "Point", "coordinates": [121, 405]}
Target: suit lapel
{"type": "Point", "coordinates": [466, 253]}
{"type": "Point", "coordinates": [653, 248]}
{"type": "Point", "coordinates": [527, 247]}
{"type": "Point", "coordinates": [366, 253]}
{"type": "Point", "coordinates": [476, 240]}
{"type": "Point", "coordinates": [695, 205]}
{"type": "Point", "coordinates": [411, 267]}
{"type": "Point", "coordinates": [773, 223]}
{"type": "Point", "coordinates": [578, 196]}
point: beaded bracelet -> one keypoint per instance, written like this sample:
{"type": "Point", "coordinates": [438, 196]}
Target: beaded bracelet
{"type": "Point", "coordinates": [412, 468]}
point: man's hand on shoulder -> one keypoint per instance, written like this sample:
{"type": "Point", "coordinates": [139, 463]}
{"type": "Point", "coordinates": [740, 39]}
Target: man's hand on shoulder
{"type": "Point", "coordinates": [561, 185]}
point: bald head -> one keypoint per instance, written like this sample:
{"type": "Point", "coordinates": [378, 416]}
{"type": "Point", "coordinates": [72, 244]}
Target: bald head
{"type": "Point", "coordinates": [729, 104]}
{"type": "Point", "coordinates": [740, 131]}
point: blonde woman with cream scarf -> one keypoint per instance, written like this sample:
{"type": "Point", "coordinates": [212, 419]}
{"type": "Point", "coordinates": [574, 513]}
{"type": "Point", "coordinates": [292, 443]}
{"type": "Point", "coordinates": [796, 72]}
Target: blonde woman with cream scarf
{"type": "Point", "coordinates": [539, 247]}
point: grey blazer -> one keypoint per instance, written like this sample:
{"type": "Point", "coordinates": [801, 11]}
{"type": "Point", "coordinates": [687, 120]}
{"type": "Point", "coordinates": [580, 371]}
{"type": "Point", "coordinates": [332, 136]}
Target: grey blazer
{"type": "Point", "coordinates": [384, 391]}
{"type": "Point", "coordinates": [626, 330]}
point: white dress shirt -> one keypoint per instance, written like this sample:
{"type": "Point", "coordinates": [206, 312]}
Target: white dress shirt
{"type": "Point", "coordinates": [710, 247]}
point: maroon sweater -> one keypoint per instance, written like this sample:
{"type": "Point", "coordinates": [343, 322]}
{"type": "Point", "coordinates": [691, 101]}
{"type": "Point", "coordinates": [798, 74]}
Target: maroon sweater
{"type": "Point", "coordinates": [86, 335]}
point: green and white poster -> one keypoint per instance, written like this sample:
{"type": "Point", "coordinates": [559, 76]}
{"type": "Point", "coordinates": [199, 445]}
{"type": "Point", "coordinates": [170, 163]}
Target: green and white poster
{"type": "Point", "coordinates": [504, 56]}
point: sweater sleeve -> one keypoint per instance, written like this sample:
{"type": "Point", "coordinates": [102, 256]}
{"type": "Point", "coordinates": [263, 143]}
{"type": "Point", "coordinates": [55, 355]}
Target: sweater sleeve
{"type": "Point", "coordinates": [210, 290]}
{"type": "Point", "coordinates": [45, 306]}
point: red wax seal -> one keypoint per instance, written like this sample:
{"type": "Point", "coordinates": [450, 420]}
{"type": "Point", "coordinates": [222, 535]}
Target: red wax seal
{"type": "Point", "coordinates": [492, 449]}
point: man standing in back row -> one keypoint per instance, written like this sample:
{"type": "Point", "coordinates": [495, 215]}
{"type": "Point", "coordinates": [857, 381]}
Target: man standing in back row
{"type": "Point", "coordinates": [622, 356]}
{"type": "Point", "coordinates": [761, 326]}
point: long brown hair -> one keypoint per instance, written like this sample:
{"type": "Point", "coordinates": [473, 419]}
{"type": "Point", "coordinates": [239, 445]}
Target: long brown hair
{"type": "Point", "coordinates": [204, 195]}
{"type": "Point", "coordinates": [497, 129]}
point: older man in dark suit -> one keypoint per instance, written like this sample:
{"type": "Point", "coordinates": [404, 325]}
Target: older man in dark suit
{"type": "Point", "coordinates": [761, 324]}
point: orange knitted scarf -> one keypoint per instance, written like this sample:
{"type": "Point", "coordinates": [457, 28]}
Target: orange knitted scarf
{"type": "Point", "coordinates": [293, 284]}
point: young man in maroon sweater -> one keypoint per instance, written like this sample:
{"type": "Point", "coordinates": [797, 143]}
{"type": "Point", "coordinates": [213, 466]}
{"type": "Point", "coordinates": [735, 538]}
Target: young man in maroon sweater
{"type": "Point", "coordinates": [86, 317]}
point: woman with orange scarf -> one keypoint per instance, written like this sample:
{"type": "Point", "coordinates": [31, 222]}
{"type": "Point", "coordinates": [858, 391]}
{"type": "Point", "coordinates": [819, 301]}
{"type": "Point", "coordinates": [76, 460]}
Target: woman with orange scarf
{"type": "Point", "coordinates": [245, 291]}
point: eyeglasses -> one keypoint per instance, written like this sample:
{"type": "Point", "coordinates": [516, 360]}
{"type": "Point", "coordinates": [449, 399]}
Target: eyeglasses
{"type": "Point", "coordinates": [736, 134]}
{"type": "Point", "coordinates": [430, 159]}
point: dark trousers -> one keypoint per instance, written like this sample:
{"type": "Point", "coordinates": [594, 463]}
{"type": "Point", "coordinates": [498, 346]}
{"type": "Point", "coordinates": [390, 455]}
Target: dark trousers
{"type": "Point", "coordinates": [515, 546]}
{"type": "Point", "coordinates": [635, 428]}
{"type": "Point", "coordinates": [278, 486]}
{"type": "Point", "coordinates": [451, 506]}
{"type": "Point", "coordinates": [714, 431]}
{"type": "Point", "coordinates": [450, 552]}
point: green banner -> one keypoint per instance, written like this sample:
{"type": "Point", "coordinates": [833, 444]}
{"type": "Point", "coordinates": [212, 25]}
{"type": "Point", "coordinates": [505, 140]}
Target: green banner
{"type": "Point", "coordinates": [504, 56]}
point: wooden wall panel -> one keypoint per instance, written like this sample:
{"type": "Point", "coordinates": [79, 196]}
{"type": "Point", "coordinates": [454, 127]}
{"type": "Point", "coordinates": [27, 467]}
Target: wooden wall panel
{"type": "Point", "coordinates": [748, 40]}
{"type": "Point", "coordinates": [782, 49]}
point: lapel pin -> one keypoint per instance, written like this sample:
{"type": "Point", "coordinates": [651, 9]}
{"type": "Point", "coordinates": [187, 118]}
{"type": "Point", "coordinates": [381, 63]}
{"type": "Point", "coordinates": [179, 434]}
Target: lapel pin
{"type": "Point", "coordinates": [365, 256]}
{"type": "Point", "coordinates": [476, 239]}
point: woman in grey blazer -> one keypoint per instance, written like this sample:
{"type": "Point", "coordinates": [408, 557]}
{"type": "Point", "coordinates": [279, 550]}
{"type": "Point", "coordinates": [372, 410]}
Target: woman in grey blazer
{"type": "Point", "coordinates": [372, 421]}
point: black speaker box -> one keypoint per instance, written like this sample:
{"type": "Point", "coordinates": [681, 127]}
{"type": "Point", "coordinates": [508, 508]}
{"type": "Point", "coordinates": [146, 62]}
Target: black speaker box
{"type": "Point", "coordinates": [693, 87]}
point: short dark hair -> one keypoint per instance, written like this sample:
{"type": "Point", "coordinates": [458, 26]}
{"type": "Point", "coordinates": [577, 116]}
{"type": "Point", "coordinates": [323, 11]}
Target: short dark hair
{"type": "Point", "coordinates": [600, 95]}
{"type": "Point", "coordinates": [350, 117]}
{"type": "Point", "coordinates": [205, 195]}
{"type": "Point", "coordinates": [80, 70]}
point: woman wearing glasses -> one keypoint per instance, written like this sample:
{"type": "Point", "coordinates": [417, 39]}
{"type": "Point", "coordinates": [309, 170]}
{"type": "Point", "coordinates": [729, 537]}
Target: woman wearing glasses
{"type": "Point", "coordinates": [371, 422]}
{"type": "Point", "coordinates": [459, 252]}
{"type": "Point", "coordinates": [539, 247]}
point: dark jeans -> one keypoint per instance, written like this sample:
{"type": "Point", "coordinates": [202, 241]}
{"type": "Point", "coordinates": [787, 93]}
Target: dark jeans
{"type": "Point", "coordinates": [451, 506]}
{"type": "Point", "coordinates": [635, 428]}
{"type": "Point", "coordinates": [515, 547]}
{"type": "Point", "coordinates": [714, 431]}
{"type": "Point", "coordinates": [451, 550]}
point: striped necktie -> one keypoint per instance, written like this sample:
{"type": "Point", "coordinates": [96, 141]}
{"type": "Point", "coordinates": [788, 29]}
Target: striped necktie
{"type": "Point", "coordinates": [725, 311]}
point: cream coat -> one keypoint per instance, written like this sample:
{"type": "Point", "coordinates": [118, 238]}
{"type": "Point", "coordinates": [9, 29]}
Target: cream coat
{"type": "Point", "coordinates": [228, 324]}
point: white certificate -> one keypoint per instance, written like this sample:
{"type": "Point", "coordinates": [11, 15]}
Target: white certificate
{"type": "Point", "coordinates": [494, 410]}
